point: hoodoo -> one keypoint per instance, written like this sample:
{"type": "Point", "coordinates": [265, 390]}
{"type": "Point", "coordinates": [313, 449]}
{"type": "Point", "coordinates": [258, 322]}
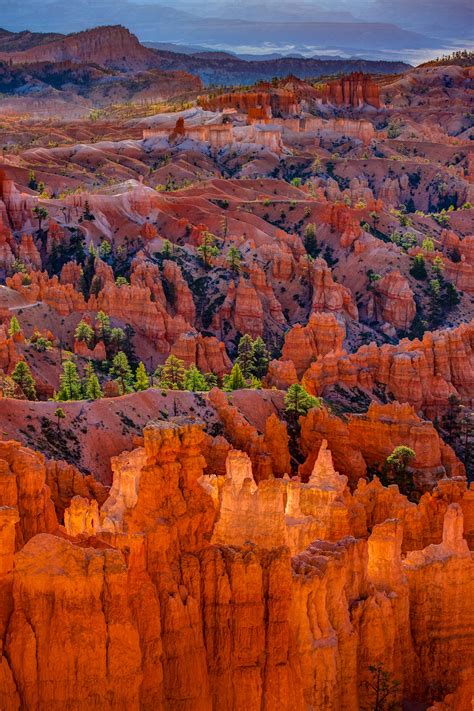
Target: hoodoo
{"type": "Point", "coordinates": [236, 359]}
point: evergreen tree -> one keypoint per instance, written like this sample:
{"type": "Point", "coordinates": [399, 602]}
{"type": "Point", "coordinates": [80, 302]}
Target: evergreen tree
{"type": "Point", "coordinates": [400, 458]}
{"type": "Point", "coordinates": [375, 218]}
{"type": "Point", "coordinates": [245, 358]}
{"type": "Point", "coordinates": [427, 245]}
{"type": "Point", "coordinates": [120, 368]}
{"type": "Point", "coordinates": [102, 322]}
{"type": "Point", "coordinates": [418, 270]}
{"type": "Point", "coordinates": [195, 380]}
{"type": "Point", "coordinates": [40, 343]}
{"type": "Point", "coordinates": [93, 389]}
{"type": "Point", "coordinates": [116, 338]}
{"type": "Point", "coordinates": [84, 333]}
{"type": "Point", "coordinates": [298, 402]}
{"type": "Point", "coordinates": [208, 249]}
{"type": "Point", "coordinates": [32, 182]}
{"type": "Point", "coordinates": [59, 415]}
{"type": "Point", "coordinates": [141, 378]}
{"type": "Point", "coordinates": [234, 259]}
{"type": "Point", "coordinates": [14, 328]}
{"type": "Point", "coordinates": [236, 380]}
{"type": "Point", "coordinates": [173, 373]}
{"type": "Point", "coordinates": [24, 380]}
{"type": "Point", "coordinates": [69, 382]}
{"type": "Point", "coordinates": [397, 463]}
{"type": "Point", "coordinates": [452, 295]}
{"type": "Point", "coordinates": [261, 358]}
{"type": "Point", "coordinates": [87, 214]}
{"type": "Point", "coordinates": [167, 249]}
{"type": "Point", "coordinates": [309, 240]}
{"type": "Point", "coordinates": [105, 249]}
{"type": "Point", "coordinates": [381, 690]}
{"type": "Point", "coordinates": [41, 214]}
{"type": "Point", "coordinates": [211, 380]}
{"type": "Point", "coordinates": [128, 346]}
{"type": "Point", "coordinates": [438, 266]}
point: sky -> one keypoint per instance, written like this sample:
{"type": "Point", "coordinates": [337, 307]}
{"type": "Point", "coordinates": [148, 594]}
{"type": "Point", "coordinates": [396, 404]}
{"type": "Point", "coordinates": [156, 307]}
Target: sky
{"type": "Point", "coordinates": [401, 29]}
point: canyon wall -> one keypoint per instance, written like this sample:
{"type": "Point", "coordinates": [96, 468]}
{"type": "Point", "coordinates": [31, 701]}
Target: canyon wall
{"type": "Point", "coordinates": [185, 590]}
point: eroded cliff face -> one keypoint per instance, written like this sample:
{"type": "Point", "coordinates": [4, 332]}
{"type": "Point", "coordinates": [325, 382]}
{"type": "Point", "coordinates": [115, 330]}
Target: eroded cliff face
{"type": "Point", "coordinates": [185, 590]}
{"type": "Point", "coordinates": [422, 372]}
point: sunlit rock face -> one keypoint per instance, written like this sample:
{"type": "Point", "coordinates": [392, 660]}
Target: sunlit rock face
{"type": "Point", "coordinates": [184, 576]}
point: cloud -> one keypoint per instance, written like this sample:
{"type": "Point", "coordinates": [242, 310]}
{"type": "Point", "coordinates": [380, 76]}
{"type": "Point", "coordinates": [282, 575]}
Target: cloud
{"type": "Point", "coordinates": [429, 15]}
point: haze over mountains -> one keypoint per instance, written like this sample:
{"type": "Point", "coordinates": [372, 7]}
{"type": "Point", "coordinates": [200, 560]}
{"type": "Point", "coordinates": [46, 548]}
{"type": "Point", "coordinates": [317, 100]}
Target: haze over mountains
{"type": "Point", "coordinates": [381, 31]}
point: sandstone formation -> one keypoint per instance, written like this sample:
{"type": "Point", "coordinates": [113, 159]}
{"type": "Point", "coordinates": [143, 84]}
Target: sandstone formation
{"type": "Point", "coordinates": [205, 352]}
{"type": "Point", "coordinates": [8, 352]}
{"type": "Point", "coordinates": [183, 576]}
{"type": "Point", "coordinates": [394, 302]}
{"type": "Point", "coordinates": [423, 373]}
{"type": "Point", "coordinates": [355, 90]}
{"type": "Point", "coordinates": [322, 334]}
{"type": "Point", "coordinates": [327, 295]}
{"type": "Point", "coordinates": [63, 298]}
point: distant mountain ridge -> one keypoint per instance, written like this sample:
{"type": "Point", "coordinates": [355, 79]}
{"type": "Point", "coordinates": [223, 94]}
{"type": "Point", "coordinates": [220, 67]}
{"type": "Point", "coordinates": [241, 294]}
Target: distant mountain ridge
{"type": "Point", "coordinates": [225, 69]}
{"type": "Point", "coordinates": [116, 48]}
{"type": "Point", "coordinates": [109, 46]}
{"type": "Point", "coordinates": [19, 41]}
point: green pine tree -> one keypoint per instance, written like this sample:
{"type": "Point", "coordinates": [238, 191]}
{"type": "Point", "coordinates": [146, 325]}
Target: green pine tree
{"type": "Point", "coordinates": [452, 295]}
{"type": "Point", "coordinates": [69, 382]}
{"type": "Point", "coordinates": [418, 270]}
{"type": "Point", "coordinates": [141, 378]}
{"type": "Point", "coordinates": [245, 356]}
{"type": "Point", "coordinates": [24, 380]}
{"type": "Point", "coordinates": [14, 328]}
{"type": "Point", "coordinates": [211, 380]}
{"type": "Point", "coordinates": [120, 368]}
{"type": "Point", "coordinates": [437, 266]}
{"type": "Point", "coordinates": [41, 214]}
{"type": "Point", "coordinates": [427, 245]}
{"type": "Point", "coordinates": [309, 240]}
{"type": "Point", "coordinates": [234, 259]}
{"type": "Point", "coordinates": [173, 374]}
{"type": "Point", "coordinates": [59, 415]}
{"type": "Point", "coordinates": [261, 358]}
{"type": "Point", "coordinates": [208, 249]}
{"type": "Point", "coordinates": [84, 332]}
{"type": "Point", "coordinates": [236, 380]}
{"type": "Point", "coordinates": [116, 338]}
{"type": "Point", "coordinates": [93, 389]}
{"type": "Point", "coordinates": [400, 458]}
{"type": "Point", "coordinates": [102, 324]}
{"type": "Point", "coordinates": [195, 381]}
{"type": "Point", "coordinates": [167, 249]}
{"type": "Point", "coordinates": [396, 464]}
{"type": "Point", "coordinates": [298, 402]}
{"type": "Point", "coordinates": [381, 690]}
